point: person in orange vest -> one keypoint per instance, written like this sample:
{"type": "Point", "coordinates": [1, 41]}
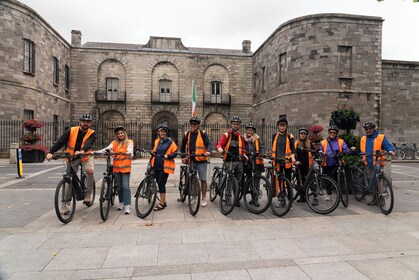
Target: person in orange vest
{"type": "Point", "coordinates": [304, 158]}
{"type": "Point", "coordinates": [196, 141]}
{"type": "Point", "coordinates": [79, 140]}
{"type": "Point", "coordinates": [163, 162]}
{"type": "Point", "coordinates": [254, 144]}
{"type": "Point", "coordinates": [122, 166]}
{"type": "Point", "coordinates": [283, 147]}
{"type": "Point", "coordinates": [370, 143]}
{"type": "Point", "coordinates": [232, 141]}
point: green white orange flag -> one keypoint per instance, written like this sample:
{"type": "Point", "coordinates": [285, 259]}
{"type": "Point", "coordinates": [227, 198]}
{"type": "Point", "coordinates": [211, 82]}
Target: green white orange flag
{"type": "Point", "coordinates": [193, 99]}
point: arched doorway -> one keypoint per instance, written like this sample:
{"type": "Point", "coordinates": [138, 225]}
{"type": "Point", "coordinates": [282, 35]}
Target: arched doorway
{"type": "Point", "coordinates": [171, 120]}
{"type": "Point", "coordinates": [106, 125]}
{"type": "Point", "coordinates": [215, 125]}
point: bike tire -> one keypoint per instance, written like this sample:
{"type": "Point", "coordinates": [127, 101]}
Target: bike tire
{"type": "Point", "coordinates": [326, 191]}
{"type": "Point", "coordinates": [410, 154]}
{"type": "Point", "coordinates": [263, 192]}
{"type": "Point", "coordinates": [64, 193]}
{"type": "Point", "coordinates": [105, 198]}
{"type": "Point", "coordinates": [385, 199]}
{"type": "Point", "coordinates": [343, 185]}
{"type": "Point", "coordinates": [214, 186]}
{"type": "Point", "coordinates": [114, 191]}
{"type": "Point", "coordinates": [282, 201]}
{"type": "Point", "coordinates": [229, 195]}
{"type": "Point", "coordinates": [402, 154]}
{"type": "Point", "coordinates": [145, 197]}
{"type": "Point", "coordinates": [294, 182]}
{"type": "Point", "coordinates": [194, 195]}
{"type": "Point", "coordinates": [417, 154]}
{"type": "Point", "coordinates": [358, 191]}
{"type": "Point", "coordinates": [182, 185]}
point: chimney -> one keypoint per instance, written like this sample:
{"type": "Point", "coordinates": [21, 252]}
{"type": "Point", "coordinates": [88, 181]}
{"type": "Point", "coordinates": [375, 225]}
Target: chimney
{"type": "Point", "coordinates": [246, 46]}
{"type": "Point", "coordinates": [76, 37]}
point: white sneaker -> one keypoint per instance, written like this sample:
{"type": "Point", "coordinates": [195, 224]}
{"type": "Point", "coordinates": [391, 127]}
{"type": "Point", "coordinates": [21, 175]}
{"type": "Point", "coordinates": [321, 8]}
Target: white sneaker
{"type": "Point", "coordinates": [204, 202]}
{"type": "Point", "coordinates": [64, 209]}
{"type": "Point", "coordinates": [121, 206]}
{"type": "Point", "coordinates": [127, 209]}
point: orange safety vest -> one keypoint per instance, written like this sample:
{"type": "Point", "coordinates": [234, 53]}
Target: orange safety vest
{"type": "Point", "coordinates": [310, 156]}
{"type": "Point", "coordinates": [199, 146]}
{"type": "Point", "coordinates": [325, 143]}
{"type": "Point", "coordinates": [259, 159]}
{"type": "Point", "coordinates": [228, 144]}
{"type": "Point", "coordinates": [71, 144]}
{"type": "Point", "coordinates": [121, 163]}
{"type": "Point", "coordinates": [378, 143]}
{"type": "Point", "coordinates": [169, 164]}
{"type": "Point", "coordinates": [288, 151]}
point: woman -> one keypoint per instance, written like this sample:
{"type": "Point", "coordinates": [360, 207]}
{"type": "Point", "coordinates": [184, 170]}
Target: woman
{"type": "Point", "coordinates": [163, 162]}
{"type": "Point", "coordinates": [304, 159]}
{"type": "Point", "coordinates": [123, 149]}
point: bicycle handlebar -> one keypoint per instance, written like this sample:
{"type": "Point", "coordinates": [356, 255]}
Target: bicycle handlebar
{"type": "Point", "coordinates": [60, 155]}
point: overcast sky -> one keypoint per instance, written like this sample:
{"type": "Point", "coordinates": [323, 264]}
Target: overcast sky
{"type": "Point", "coordinates": [220, 23]}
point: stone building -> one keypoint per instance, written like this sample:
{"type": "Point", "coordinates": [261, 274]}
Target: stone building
{"type": "Point", "coordinates": [309, 67]}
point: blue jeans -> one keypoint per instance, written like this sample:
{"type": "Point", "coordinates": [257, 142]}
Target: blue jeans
{"type": "Point", "coordinates": [124, 191]}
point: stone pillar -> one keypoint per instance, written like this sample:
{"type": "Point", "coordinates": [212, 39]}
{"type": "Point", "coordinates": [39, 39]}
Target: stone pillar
{"type": "Point", "coordinates": [247, 46]}
{"type": "Point", "coordinates": [76, 37]}
{"type": "Point", "coordinates": [13, 148]}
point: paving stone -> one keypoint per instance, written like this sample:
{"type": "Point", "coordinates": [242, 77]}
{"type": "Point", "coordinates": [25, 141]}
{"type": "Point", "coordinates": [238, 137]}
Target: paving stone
{"type": "Point", "coordinates": [170, 254]}
{"type": "Point", "coordinates": [24, 241]}
{"type": "Point", "coordinates": [103, 273]}
{"type": "Point", "coordinates": [236, 274]}
{"type": "Point", "coordinates": [130, 256]}
{"type": "Point", "coordinates": [26, 260]}
{"type": "Point", "coordinates": [289, 272]}
{"type": "Point", "coordinates": [385, 269]}
{"type": "Point", "coordinates": [232, 250]}
{"type": "Point", "coordinates": [56, 275]}
{"type": "Point", "coordinates": [79, 258]}
{"type": "Point", "coordinates": [278, 249]}
{"type": "Point", "coordinates": [336, 270]}
{"type": "Point", "coordinates": [321, 246]}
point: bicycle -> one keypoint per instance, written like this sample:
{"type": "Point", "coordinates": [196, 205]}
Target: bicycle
{"type": "Point", "coordinates": [189, 184]}
{"type": "Point", "coordinates": [362, 185]}
{"type": "Point", "coordinates": [400, 153]}
{"type": "Point", "coordinates": [70, 188]}
{"type": "Point", "coordinates": [146, 194]}
{"type": "Point", "coordinates": [339, 170]}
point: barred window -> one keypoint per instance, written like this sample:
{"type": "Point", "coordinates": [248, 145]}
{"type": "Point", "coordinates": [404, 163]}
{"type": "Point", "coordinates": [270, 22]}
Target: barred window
{"type": "Point", "coordinates": [28, 56]}
{"type": "Point", "coordinates": [112, 85]}
{"type": "Point", "coordinates": [56, 77]}
{"type": "Point", "coordinates": [67, 77]}
{"type": "Point", "coordinates": [216, 90]}
{"type": "Point", "coordinates": [165, 89]}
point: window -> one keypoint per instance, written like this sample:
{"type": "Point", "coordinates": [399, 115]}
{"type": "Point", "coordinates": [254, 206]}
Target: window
{"type": "Point", "coordinates": [56, 71]}
{"type": "Point", "coordinates": [216, 90]}
{"type": "Point", "coordinates": [28, 114]}
{"type": "Point", "coordinates": [112, 85]}
{"type": "Point", "coordinates": [345, 60]}
{"type": "Point", "coordinates": [165, 89]}
{"type": "Point", "coordinates": [282, 67]}
{"type": "Point", "coordinates": [67, 77]}
{"type": "Point", "coordinates": [263, 79]}
{"type": "Point", "coordinates": [29, 57]}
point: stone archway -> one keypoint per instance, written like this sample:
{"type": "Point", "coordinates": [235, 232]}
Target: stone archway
{"type": "Point", "coordinates": [172, 122]}
{"type": "Point", "coordinates": [215, 125]}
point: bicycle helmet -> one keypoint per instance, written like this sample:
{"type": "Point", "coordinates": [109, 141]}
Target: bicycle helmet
{"type": "Point", "coordinates": [333, 127]}
{"type": "Point", "coordinates": [235, 119]}
{"type": "Point", "coordinates": [369, 124]}
{"type": "Point", "coordinates": [194, 120]}
{"type": "Point", "coordinates": [251, 125]}
{"type": "Point", "coordinates": [86, 117]}
{"type": "Point", "coordinates": [163, 126]}
{"type": "Point", "coordinates": [282, 119]}
{"type": "Point", "coordinates": [303, 129]}
{"type": "Point", "coordinates": [118, 128]}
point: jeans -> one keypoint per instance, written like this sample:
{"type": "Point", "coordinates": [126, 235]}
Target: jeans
{"type": "Point", "coordinates": [124, 191]}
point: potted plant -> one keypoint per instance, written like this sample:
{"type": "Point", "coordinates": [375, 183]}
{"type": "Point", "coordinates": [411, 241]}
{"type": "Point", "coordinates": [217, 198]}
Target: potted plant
{"type": "Point", "coordinates": [314, 137]}
{"type": "Point", "coordinates": [32, 152]}
{"type": "Point", "coordinates": [32, 124]}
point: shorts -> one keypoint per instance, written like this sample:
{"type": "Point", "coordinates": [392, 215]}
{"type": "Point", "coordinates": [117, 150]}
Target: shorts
{"type": "Point", "coordinates": [201, 167]}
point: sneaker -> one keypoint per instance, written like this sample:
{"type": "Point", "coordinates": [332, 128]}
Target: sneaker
{"type": "Point", "coordinates": [87, 199]}
{"type": "Point", "coordinates": [204, 202]}
{"type": "Point", "coordinates": [64, 210]}
{"type": "Point", "coordinates": [315, 202]}
{"type": "Point", "coordinates": [281, 203]}
{"type": "Point", "coordinates": [382, 201]}
{"type": "Point", "coordinates": [327, 198]}
{"type": "Point", "coordinates": [256, 202]}
{"type": "Point", "coordinates": [372, 202]}
{"type": "Point", "coordinates": [127, 209]}
{"type": "Point", "coordinates": [121, 206]}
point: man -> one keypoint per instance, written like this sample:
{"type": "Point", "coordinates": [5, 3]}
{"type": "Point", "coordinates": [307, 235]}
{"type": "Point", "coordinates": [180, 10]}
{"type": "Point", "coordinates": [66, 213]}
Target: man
{"type": "Point", "coordinates": [370, 143]}
{"type": "Point", "coordinates": [232, 141]}
{"type": "Point", "coordinates": [79, 140]}
{"type": "Point", "coordinates": [196, 141]}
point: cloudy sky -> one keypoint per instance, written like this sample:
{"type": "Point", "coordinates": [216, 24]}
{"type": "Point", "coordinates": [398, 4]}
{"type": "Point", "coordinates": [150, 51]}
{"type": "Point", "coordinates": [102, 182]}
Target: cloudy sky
{"type": "Point", "coordinates": [220, 23]}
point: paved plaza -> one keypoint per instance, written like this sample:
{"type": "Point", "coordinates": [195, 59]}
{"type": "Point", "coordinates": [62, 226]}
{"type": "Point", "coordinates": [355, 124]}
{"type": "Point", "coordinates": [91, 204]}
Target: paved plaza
{"type": "Point", "coordinates": [357, 242]}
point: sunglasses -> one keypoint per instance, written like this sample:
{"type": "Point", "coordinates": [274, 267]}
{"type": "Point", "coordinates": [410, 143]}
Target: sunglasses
{"type": "Point", "coordinates": [332, 132]}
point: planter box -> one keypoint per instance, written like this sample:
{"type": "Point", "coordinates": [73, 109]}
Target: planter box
{"type": "Point", "coordinates": [33, 156]}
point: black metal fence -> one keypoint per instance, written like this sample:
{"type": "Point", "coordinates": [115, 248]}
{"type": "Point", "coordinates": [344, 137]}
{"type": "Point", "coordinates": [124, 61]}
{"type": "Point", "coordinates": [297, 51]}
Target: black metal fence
{"type": "Point", "coordinates": [143, 134]}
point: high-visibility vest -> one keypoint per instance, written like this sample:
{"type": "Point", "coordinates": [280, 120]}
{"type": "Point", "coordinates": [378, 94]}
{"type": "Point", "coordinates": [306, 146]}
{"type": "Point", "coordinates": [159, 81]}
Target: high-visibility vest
{"type": "Point", "coordinates": [199, 145]}
{"type": "Point", "coordinates": [325, 143]}
{"type": "Point", "coordinates": [121, 163]}
{"type": "Point", "coordinates": [227, 146]}
{"type": "Point", "coordinates": [288, 151]}
{"type": "Point", "coordinates": [256, 140]}
{"type": "Point", "coordinates": [378, 143]}
{"type": "Point", "coordinates": [169, 164]}
{"type": "Point", "coordinates": [310, 156]}
{"type": "Point", "coordinates": [71, 144]}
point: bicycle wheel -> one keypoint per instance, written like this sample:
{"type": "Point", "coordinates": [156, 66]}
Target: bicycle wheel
{"type": "Point", "coordinates": [182, 184]}
{"type": "Point", "coordinates": [401, 154]}
{"type": "Point", "coordinates": [296, 184]}
{"type": "Point", "coordinates": [194, 195]}
{"type": "Point", "coordinates": [344, 196]}
{"type": "Point", "coordinates": [145, 198]}
{"type": "Point", "coordinates": [322, 194]}
{"type": "Point", "coordinates": [385, 195]}
{"type": "Point", "coordinates": [282, 200]}
{"type": "Point", "coordinates": [114, 191]}
{"type": "Point", "coordinates": [410, 154]}
{"type": "Point", "coordinates": [65, 201]}
{"type": "Point", "coordinates": [357, 183]}
{"type": "Point", "coordinates": [105, 198]}
{"type": "Point", "coordinates": [229, 195]}
{"type": "Point", "coordinates": [215, 181]}
{"type": "Point", "coordinates": [258, 194]}
{"type": "Point", "coordinates": [417, 154]}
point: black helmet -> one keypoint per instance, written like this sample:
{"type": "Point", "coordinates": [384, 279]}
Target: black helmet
{"type": "Point", "coordinates": [282, 119]}
{"type": "Point", "coordinates": [118, 128]}
{"type": "Point", "coordinates": [86, 117]}
{"type": "Point", "coordinates": [235, 119]}
{"type": "Point", "coordinates": [163, 126]}
{"type": "Point", "coordinates": [333, 127]}
{"type": "Point", "coordinates": [251, 125]}
{"type": "Point", "coordinates": [194, 120]}
{"type": "Point", "coordinates": [369, 124]}
{"type": "Point", "coordinates": [303, 129]}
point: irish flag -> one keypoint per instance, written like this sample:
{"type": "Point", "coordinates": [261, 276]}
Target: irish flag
{"type": "Point", "coordinates": [193, 99]}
